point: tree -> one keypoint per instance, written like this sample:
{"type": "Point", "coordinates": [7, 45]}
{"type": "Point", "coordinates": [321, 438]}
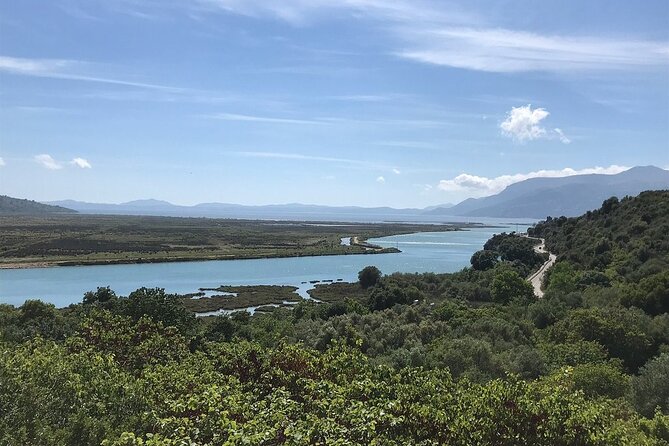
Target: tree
{"type": "Point", "coordinates": [484, 259]}
{"type": "Point", "coordinates": [508, 285]}
{"type": "Point", "coordinates": [563, 277]}
{"type": "Point", "coordinates": [103, 294]}
{"type": "Point", "coordinates": [651, 388]}
{"type": "Point", "coordinates": [369, 276]}
{"type": "Point", "coordinates": [160, 307]}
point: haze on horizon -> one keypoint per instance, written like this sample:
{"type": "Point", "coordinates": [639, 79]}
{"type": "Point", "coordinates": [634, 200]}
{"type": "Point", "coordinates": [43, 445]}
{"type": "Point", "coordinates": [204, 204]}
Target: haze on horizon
{"type": "Point", "coordinates": [370, 103]}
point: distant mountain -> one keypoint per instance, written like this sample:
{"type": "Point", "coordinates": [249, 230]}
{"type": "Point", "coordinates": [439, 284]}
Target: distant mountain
{"type": "Point", "coordinates": [533, 198]}
{"type": "Point", "coordinates": [568, 196]}
{"type": "Point", "coordinates": [439, 206]}
{"type": "Point", "coordinates": [289, 211]}
{"type": "Point", "coordinates": [18, 206]}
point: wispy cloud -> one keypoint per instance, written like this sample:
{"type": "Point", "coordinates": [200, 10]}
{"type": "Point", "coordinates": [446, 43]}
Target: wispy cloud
{"type": "Point", "coordinates": [299, 156]}
{"type": "Point", "coordinates": [507, 51]}
{"type": "Point", "coordinates": [81, 163]}
{"type": "Point", "coordinates": [329, 120]}
{"type": "Point", "coordinates": [380, 179]}
{"type": "Point", "coordinates": [438, 33]}
{"type": "Point", "coordinates": [408, 144]}
{"type": "Point", "coordinates": [441, 33]}
{"type": "Point", "coordinates": [427, 123]}
{"type": "Point", "coordinates": [299, 12]}
{"type": "Point", "coordinates": [2, 162]}
{"type": "Point", "coordinates": [561, 136]}
{"type": "Point", "coordinates": [524, 124]}
{"type": "Point", "coordinates": [479, 186]}
{"type": "Point", "coordinates": [262, 119]}
{"type": "Point", "coordinates": [48, 162]}
{"type": "Point", "coordinates": [351, 163]}
{"type": "Point", "coordinates": [69, 70]}
{"type": "Point", "coordinates": [361, 98]}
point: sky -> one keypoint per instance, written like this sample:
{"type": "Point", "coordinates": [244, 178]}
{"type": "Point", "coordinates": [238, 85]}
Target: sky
{"type": "Point", "coordinates": [404, 103]}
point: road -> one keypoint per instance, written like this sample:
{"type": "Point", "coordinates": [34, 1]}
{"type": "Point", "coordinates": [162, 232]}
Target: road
{"type": "Point", "coordinates": [537, 278]}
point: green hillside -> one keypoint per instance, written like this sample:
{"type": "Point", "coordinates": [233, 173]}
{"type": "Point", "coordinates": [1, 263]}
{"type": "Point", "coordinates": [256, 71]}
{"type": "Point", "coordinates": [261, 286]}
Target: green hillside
{"type": "Point", "coordinates": [18, 206]}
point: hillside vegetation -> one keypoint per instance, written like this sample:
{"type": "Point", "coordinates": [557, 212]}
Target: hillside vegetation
{"type": "Point", "coordinates": [18, 206]}
{"type": "Point", "coordinates": [470, 358]}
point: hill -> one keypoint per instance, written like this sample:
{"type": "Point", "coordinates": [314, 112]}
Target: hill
{"type": "Point", "coordinates": [568, 196]}
{"type": "Point", "coordinates": [626, 240]}
{"type": "Point", "coordinates": [18, 206]}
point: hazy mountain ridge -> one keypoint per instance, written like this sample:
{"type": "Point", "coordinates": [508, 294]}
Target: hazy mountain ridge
{"type": "Point", "coordinates": [532, 198]}
{"type": "Point", "coordinates": [229, 210]}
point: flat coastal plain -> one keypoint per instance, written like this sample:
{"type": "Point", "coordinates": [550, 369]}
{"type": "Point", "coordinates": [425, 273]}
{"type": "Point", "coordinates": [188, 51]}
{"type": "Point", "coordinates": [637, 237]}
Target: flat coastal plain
{"type": "Point", "coordinates": [66, 240]}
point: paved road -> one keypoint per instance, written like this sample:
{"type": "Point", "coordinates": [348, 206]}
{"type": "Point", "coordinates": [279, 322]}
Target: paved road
{"type": "Point", "coordinates": [537, 278]}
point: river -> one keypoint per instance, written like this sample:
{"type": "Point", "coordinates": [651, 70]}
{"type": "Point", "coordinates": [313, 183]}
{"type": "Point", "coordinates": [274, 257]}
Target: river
{"type": "Point", "coordinates": [438, 252]}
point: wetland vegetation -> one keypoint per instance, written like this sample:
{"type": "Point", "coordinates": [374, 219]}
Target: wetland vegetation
{"type": "Point", "coordinates": [64, 240]}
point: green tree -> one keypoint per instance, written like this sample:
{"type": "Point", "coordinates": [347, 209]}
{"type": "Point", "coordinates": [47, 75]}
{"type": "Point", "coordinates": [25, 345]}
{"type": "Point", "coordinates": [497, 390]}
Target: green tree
{"type": "Point", "coordinates": [484, 259]}
{"type": "Point", "coordinates": [650, 389]}
{"type": "Point", "coordinates": [369, 276]}
{"type": "Point", "coordinates": [102, 294]}
{"type": "Point", "coordinates": [508, 285]}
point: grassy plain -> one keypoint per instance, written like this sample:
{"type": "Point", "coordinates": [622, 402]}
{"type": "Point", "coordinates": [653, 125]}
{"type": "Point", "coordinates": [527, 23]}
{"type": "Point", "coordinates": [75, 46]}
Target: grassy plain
{"type": "Point", "coordinates": [239, 297]}
{"type": "Point", "coordinates": [64, 240]}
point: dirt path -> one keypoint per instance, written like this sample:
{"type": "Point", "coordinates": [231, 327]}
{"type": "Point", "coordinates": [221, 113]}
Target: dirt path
{"type": "Point", "coordinates": [537, 278]}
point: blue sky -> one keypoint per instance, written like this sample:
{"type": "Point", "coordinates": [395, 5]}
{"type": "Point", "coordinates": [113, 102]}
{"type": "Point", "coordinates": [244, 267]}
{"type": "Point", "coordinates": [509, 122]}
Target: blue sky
{"type": "Point", "coordinates": [347, 102]}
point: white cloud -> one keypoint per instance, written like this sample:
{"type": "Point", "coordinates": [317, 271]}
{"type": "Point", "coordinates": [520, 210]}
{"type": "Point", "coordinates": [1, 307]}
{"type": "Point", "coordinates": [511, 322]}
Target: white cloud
{"type": "Point", "coordinates": [80, 162]}
{"type": "Point", "coordinates": [396, 171]}
{"type": "Point", "coordinates": [48, 162]}
{"type": "Point", "coordinates": [2, 162]}
{"type": "Point", "coordinates": [482, 186]}
{"type": "Point", "coordinates": [380, 180]}
{"type": "Point", "coordinates": [524, 124]}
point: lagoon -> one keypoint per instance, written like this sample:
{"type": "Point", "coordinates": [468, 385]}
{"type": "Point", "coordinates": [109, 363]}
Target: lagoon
{"type": "Point", "coordinates": [438, 252]}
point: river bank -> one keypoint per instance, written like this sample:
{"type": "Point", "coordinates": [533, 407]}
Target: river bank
{"type": "Point", "coordinates": [437, 252]}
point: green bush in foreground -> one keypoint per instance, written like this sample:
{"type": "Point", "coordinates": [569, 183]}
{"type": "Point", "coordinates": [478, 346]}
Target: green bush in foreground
{"type": "Point", "coordinates": [240, 393]}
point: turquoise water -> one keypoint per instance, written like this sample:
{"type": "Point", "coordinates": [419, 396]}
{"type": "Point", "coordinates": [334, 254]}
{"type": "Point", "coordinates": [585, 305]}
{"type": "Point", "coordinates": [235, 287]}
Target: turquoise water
{"type": "Point", "coordinates": [437, 252]}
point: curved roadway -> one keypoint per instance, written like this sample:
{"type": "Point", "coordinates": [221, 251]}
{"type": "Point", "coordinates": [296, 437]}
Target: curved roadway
{"type": "Point", "coordinates": [537, 278]}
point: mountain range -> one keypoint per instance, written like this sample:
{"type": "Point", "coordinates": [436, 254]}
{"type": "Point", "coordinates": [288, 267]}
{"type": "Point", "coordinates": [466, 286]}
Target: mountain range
{"type": "Point", "coordinates": [532, 198]}
{"type": "Point", "coordinates": [568, 196]}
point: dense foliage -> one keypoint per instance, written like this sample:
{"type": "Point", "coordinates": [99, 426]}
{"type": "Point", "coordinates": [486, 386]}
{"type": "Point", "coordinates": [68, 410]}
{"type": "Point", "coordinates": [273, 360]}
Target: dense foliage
{"type": "Point", "coordinates": [466, 358]}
